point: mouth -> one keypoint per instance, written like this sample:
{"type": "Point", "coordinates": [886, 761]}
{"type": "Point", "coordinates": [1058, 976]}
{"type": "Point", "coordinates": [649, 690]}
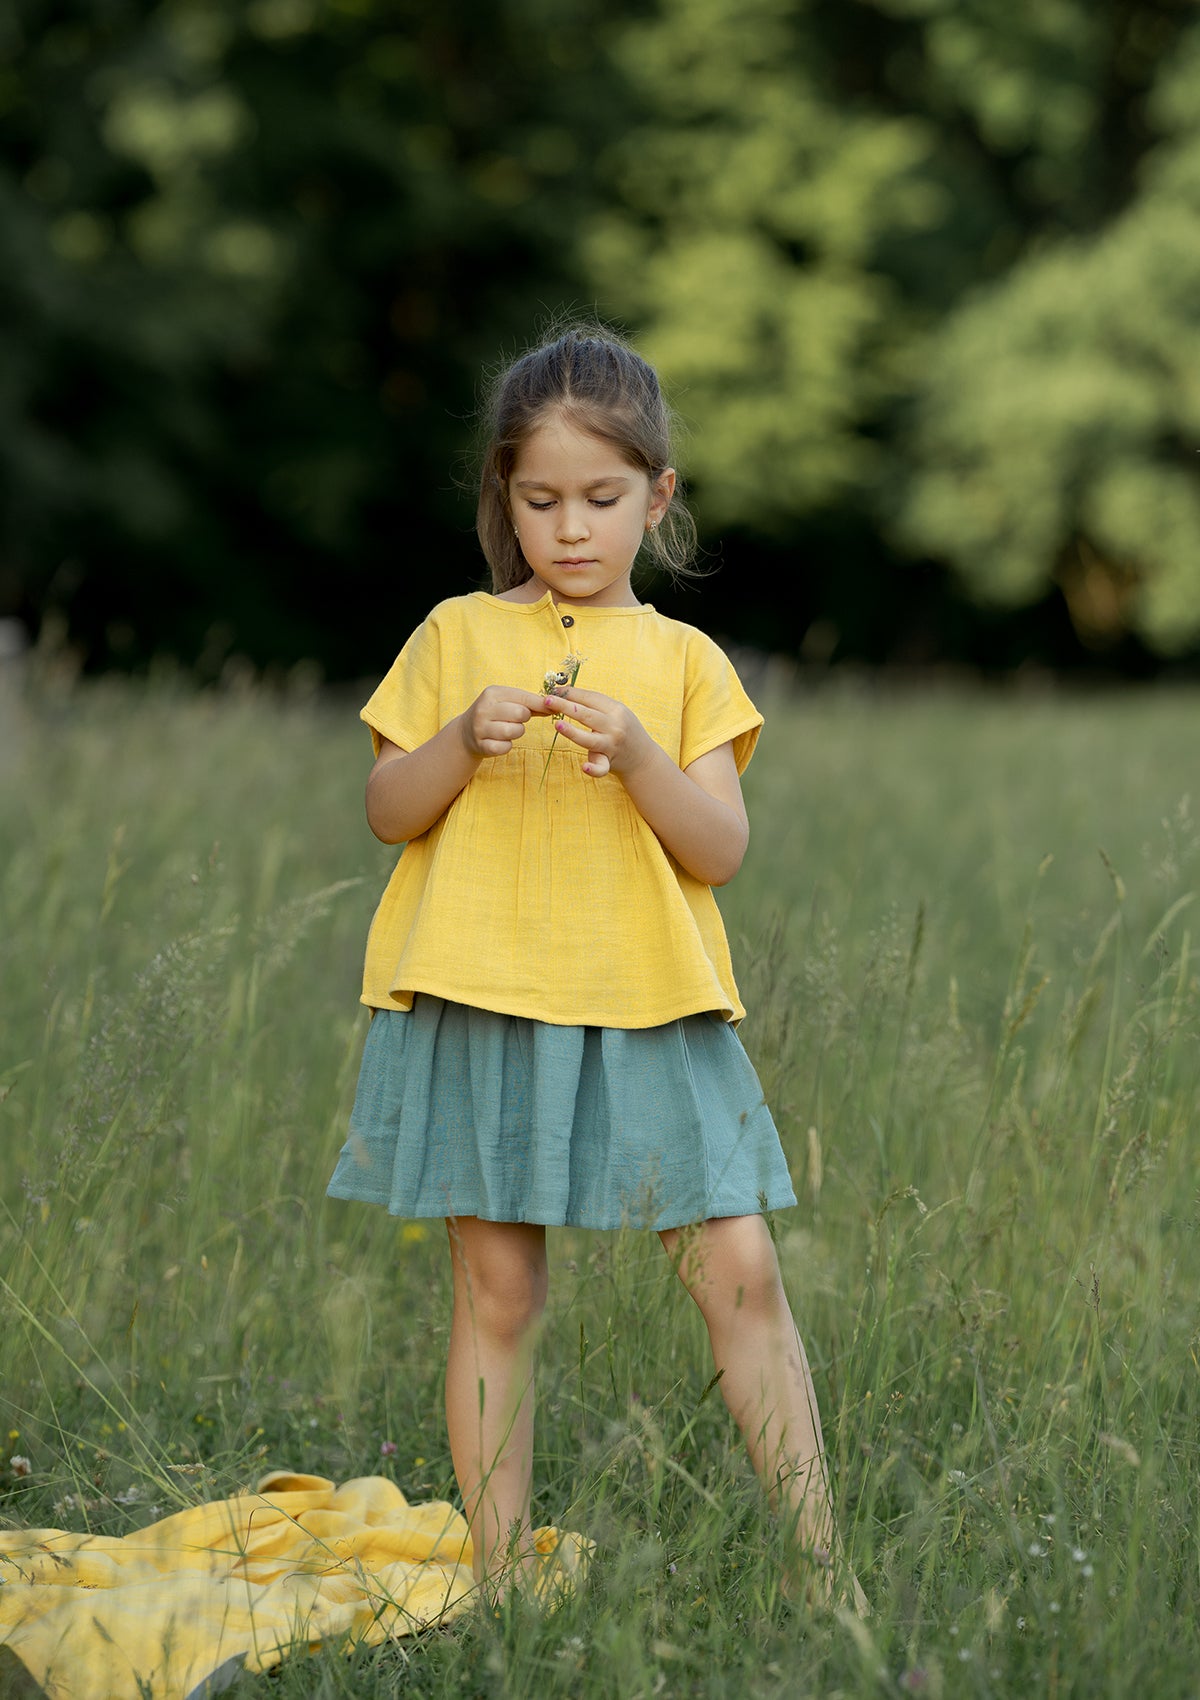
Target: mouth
{"type": "Point", "coordinates": [574, 561]}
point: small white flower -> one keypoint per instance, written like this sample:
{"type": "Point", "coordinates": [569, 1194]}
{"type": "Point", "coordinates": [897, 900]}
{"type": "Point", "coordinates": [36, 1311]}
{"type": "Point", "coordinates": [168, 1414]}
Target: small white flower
{"type": "Point", "coordinates": [1087, 1570]}
{"type": "Point", "coordinates": [956, 1475]}
{"type": "Point", "coordinates": [1036, 1549]}
{"type": "Point", "coordinates": [1021, 1624]}
{"type": "Point", "coordinates": [20, 1465]}
{"type": "Point", "coordinates": [1054, 1606]}
{"type": "Point", "coordinates": [1078, 1554]}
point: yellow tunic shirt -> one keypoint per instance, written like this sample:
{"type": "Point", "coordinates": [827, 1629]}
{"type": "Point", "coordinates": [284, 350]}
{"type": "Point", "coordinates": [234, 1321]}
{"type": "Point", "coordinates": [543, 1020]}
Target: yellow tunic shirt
{"type": "Point", "coordinates": [550, 897]}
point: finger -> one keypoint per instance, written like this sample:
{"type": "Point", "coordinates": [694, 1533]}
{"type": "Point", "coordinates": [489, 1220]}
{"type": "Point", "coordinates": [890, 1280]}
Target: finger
{"type": "Point", "coordinates": [597, 765]}
{"type": "Point", "coordinates": [512, 700]}
{"type": "Point", "coordinates": [590, 699]}
{"type": "Point", "coordinates": [589, 714]}
{"type": "Point", "coordinates": [577, 734]}
{"type": "Point", "coordinates": [534, 701]}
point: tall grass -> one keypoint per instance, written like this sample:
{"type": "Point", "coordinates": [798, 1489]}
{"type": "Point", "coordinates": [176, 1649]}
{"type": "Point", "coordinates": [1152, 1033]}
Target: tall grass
{"type": "Point", "coordinates": [964, 934]}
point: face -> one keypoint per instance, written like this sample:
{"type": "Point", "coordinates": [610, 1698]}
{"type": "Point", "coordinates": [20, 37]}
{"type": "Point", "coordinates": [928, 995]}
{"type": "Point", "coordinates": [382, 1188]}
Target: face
{"type": "Point", "coordinates": [581, 512]}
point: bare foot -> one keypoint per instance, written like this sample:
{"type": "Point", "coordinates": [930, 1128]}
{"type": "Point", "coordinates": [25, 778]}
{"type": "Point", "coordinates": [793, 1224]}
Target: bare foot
{"type": "Point", "coordinates": [823, 1584]}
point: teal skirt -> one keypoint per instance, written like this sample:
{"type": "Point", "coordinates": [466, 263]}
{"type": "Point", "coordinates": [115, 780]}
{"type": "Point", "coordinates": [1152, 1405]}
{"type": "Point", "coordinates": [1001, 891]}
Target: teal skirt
{"type": "Point", "coordinates": [464, 1112]}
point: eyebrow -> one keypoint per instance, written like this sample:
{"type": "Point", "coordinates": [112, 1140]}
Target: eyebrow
{"type": "Point", "coordinates": [596, 483]}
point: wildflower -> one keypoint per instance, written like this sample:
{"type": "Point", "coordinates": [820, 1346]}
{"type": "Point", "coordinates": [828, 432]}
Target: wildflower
{"type": "Point", "coordinates": [552, 684]}
{"type": "Point", "coordinates": [19, 1465]}
{"type": "Point", "coordinates": [388, 1449]}
{"type": "Point", "coordinates": [1036, 1549]}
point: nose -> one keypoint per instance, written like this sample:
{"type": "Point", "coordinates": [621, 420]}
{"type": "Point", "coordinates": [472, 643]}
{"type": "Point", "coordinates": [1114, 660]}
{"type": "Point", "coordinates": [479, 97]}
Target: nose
{"type": "Point", "coordinates": [572, 523]}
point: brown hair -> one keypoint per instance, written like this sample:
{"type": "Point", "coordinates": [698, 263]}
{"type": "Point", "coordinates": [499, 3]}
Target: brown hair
{"type": "Point", "coordinates": [602, 387]}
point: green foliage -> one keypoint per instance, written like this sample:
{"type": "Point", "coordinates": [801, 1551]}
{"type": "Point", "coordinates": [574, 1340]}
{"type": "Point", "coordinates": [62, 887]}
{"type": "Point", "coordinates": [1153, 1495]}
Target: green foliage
{"type": "Point", "coordinates": [971, 974]}
{"type": "Point", "coordinates": [919, 274]}
{"type": "Point", "coordinates": [255, 257]}
{"type": "Point", "coordinates": [751, 204]}
{"type": "Point", "coordinates": [1059, 417]}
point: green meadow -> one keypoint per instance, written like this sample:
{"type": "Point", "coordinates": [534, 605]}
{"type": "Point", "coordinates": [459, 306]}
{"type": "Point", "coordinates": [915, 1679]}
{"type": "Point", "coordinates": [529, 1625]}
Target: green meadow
{"type": "Point", "coordinates": [965, 934]}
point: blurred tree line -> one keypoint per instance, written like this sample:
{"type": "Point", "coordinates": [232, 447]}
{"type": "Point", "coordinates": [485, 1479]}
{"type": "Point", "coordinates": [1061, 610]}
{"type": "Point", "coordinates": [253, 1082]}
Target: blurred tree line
{"type": "Point", "coordinates": [922, 276]}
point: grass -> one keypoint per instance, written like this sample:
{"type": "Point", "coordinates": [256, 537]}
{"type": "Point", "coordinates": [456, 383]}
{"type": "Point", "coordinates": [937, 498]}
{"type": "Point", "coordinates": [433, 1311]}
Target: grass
{"type": "Point", "coordinates": [964, 934]}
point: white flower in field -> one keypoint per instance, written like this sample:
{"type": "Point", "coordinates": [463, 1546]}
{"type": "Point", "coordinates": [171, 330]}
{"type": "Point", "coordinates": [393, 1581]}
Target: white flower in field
{"type": "Point", "coordinates": [1021, 1624]}
{"type": "Point", "coordinates": [1055, 1608]}
{"type": "Point", "coordinates": [1078, 1554]}
{"type": "Point", "coordinates": [1087, 1570]}
{"type": "Point", "coordinates": [1036, 1549]}
{"type": "Point", "coordinates": [956, 1476]}
{"type": "Point", "coordinates": [20, 1465]}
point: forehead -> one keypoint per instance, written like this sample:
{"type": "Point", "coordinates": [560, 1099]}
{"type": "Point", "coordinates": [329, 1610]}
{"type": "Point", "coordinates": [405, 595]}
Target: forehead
{"type": "Point", "coordinates": [558, 452]}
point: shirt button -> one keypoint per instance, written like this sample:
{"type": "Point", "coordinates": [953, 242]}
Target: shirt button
{"type": "Point", "coordinates": [568, 619]}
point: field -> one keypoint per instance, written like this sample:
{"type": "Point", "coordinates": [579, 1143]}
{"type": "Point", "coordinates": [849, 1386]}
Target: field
{"type": "Point", "coordinates": [963, 932]}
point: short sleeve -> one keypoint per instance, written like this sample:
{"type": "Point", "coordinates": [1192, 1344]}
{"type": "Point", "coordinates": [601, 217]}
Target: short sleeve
{"type": "Point", "coordinates": [716, 709]}
{"type": "Point", "coordinates": [406, 705]}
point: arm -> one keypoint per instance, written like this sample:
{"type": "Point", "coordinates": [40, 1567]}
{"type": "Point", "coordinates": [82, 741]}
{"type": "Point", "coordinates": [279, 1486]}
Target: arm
{"type": "Point", "coordinates": [407, 791]}
{"type": "Point", "coordinates": [696, 813]}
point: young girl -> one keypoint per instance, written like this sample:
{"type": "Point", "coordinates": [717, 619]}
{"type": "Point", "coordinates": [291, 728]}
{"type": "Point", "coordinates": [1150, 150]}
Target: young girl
{"type": "Point", "coordinates": [552, 1039]}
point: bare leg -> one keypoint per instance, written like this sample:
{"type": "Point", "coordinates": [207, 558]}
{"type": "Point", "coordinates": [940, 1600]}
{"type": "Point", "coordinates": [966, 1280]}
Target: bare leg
{"type": "Point", "coordinates": [500, 1282]}
{"type": "Point", "coordinates": [729, 1267]}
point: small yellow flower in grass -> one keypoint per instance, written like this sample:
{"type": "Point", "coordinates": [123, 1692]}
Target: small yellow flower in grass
{"type": "Point", "coordinates": [412, 1233]}
{"type": "Point", "coordinates": [551, 685]}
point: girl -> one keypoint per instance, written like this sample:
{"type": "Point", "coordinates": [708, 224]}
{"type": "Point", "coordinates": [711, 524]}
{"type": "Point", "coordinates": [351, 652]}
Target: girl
{"type": "Point", "coordinates": [552, 1039]}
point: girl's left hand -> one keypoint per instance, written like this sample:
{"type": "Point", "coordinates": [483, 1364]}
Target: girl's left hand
{"type": "Point", "coordinates": [614, 737]}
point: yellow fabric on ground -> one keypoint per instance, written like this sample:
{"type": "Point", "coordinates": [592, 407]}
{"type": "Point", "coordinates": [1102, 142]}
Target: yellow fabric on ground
{"type": "Point", "coordinates": [247, 1580]}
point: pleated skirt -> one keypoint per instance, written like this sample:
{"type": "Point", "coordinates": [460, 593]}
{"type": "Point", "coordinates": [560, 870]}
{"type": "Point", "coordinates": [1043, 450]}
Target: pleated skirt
{"type": "Point", "coordinates": [464, 1112]}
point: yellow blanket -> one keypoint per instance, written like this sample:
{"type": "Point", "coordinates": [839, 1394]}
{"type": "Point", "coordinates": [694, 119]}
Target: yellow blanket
{"type": "Point", "coordinates": [185, 1604]}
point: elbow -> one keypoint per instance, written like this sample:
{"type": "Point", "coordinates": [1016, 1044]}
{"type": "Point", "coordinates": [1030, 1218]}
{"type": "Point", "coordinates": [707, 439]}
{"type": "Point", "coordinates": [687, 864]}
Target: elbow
{"type": "Point", "coordinates": [380, 822]}
{"type": "Point", "coordinates": [385, 835]}
{"type": "Point", "coordinates": [724, 863]}
{"type": "Point", "coordinates": [724, 873]}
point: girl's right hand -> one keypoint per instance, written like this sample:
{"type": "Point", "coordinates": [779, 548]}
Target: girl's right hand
{"type": "Point", "coordinates": [497, 718]}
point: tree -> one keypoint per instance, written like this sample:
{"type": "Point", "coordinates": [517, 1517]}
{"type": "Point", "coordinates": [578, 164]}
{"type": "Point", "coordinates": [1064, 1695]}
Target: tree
{"type": "Point", "coordinates": [255, 256]}
{"type": "Point", "coordinates": [1058, 421]}
{"type": "Point", "coordinates": [927, 268]}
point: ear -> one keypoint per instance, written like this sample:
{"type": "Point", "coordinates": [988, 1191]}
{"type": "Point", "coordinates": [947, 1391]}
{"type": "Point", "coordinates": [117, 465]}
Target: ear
{"type": "Point", "coordinates": [660, 496]}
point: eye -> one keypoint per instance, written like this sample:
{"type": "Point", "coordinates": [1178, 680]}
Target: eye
{"type": "Point", "coordinates": [539, 507]}
{"type": "Point", "coordinates": [604, 502]}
